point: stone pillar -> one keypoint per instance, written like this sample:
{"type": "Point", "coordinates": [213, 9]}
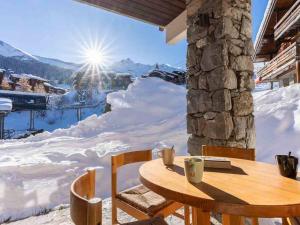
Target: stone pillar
{"type": "Point", "coordinates": [219, 77]}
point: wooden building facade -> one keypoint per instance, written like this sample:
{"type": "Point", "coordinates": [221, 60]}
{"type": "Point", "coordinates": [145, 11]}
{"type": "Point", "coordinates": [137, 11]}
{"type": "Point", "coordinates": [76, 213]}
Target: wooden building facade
{"type": "Point", "coordinates": [278, 43]}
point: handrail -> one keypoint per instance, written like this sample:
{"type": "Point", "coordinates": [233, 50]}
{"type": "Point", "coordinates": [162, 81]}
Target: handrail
{"type": "Point", "coordinates": [281, 59]}
{"type": "Point", "coordinates": [287, 14]}
{"type": "Point", "coordinates": [288, 20]}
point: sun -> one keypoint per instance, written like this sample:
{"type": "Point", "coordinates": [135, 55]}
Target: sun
{"type": "Point", "coordinates": [94, 57]}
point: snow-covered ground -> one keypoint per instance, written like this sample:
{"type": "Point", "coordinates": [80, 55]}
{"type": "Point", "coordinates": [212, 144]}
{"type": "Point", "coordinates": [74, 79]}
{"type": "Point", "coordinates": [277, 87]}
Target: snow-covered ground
{"type": "Point", "coordinates": [35, 173]}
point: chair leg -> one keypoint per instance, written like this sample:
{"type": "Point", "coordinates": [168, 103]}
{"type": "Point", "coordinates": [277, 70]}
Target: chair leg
{"type": "Point", "coordinates": [114, 219]}
{"type": "Point", "coordinates": [254, 221]}
{"type": "Point", "coordinates": [232, 220]}
{"type": "Point", "coordinates": [187, 215]}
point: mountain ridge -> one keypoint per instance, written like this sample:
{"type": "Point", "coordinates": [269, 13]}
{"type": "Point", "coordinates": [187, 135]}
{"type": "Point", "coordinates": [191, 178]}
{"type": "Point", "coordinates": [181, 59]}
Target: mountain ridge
{"type": "Point", "coordinates": [23, 62]}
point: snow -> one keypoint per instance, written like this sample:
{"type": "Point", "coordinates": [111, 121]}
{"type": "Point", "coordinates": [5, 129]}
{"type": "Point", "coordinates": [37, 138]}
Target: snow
{"type": "Point", "coordinates": [277, 120]}
{"type": "Point", "coordinates": [5, 105]}
{"type": "Point", "coordinates": [36, 173]}
{"type": "Point", "coordinates": [9, 51]}
{"type": "Point", "coordinates": [28, 76]}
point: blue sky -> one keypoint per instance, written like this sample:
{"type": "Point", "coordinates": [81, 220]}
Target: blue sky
{"type": "Point", "coordinates": [59, 28]}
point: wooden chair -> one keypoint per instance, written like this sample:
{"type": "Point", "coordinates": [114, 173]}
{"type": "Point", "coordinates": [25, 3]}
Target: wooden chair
{"type": "Point", "coordinates": [138, 201]}
{"type": "Point", "coordinates": [238, 153]}
{"type": "Point", "coordinates": [291, 221]}
{"type": "Point", "coordinates": [85, 209]}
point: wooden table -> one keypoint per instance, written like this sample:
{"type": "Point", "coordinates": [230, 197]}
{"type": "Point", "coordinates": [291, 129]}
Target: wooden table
{"type": "Point", "coordinates": [249, 188]}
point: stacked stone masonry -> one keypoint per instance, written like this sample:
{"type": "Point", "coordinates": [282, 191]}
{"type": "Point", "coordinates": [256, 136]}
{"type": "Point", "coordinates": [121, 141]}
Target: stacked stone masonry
{"type": "Point", "coordinates": [220, 70]}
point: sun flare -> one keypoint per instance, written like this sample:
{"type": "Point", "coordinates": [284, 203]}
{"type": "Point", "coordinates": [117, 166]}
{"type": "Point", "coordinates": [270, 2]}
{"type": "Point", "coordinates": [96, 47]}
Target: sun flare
{"type": "Point", "coordinates": [94, 57]}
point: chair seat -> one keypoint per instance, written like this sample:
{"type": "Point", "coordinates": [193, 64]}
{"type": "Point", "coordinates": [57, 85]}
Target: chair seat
{"type": "Point", "coordinates": [144, 199]}
{"type": "Point", "coordinates": [152, 221]}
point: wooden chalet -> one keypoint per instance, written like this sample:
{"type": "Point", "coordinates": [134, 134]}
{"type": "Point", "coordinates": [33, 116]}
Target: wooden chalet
{"type": "Point", "coordinates": [49, 88]}
{"type": "Point", "coordinates": [176, 77]}
{"type": "Point", "coordinates": [120, 81]}
{"type": "Point", "coordinates": [278, 43]}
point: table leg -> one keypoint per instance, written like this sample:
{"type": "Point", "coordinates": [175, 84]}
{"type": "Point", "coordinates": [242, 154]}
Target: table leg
{"type": "Point", "coordinates": [232, 220]}
{"type": "Point", "coordinates": [199, 217]}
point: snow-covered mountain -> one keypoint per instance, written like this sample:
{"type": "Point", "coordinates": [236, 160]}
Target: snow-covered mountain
{"type": "Point", "coordinates": [7, 50]}
{"type": "Point", "coordinates": [20, 61]}
{"type": "Point", "coordinates": [138, 69]}
{"type": "Point", "coordinates": [58, 63]}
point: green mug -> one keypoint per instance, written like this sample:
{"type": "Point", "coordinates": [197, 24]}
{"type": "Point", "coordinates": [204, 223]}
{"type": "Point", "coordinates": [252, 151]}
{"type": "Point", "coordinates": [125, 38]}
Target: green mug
{"type": "Point", "coordinates": [193, 169]}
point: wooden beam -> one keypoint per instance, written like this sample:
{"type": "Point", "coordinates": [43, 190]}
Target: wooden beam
{"type": "Point", "coordinates": [297, 80]}
{"type": "Point", "coordinates": [137, 13]}
{"type": "Point", "coordinates": [176, 30]}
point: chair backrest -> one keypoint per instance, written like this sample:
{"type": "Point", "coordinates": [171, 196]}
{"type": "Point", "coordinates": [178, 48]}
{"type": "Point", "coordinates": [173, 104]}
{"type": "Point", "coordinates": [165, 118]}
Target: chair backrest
{"type": "Point", "coordinates": [238, 153]}
{"type": "Point", "coordinates": [85, 209]}
{"type": "Point", "coordinates": [124, 159]}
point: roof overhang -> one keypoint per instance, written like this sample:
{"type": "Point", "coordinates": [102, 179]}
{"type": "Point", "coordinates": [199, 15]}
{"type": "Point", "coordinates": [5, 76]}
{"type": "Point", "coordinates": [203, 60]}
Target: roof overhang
{"type": "Point", "coordinates": [265, 43]}
{"type": "Point", "coordinates": [168, 15]}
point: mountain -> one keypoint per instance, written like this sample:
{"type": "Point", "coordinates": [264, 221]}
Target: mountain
{"type": "Point", "coordinates": [138, 69]}
{"type": "Point", "coordinates": [22, 62]}
{"type": "Point", "coordinates": [7, 50]}
{"type": "Point", "coordinates": [54, 69]}
{"type": "Point", "coordinates": [58, 63]}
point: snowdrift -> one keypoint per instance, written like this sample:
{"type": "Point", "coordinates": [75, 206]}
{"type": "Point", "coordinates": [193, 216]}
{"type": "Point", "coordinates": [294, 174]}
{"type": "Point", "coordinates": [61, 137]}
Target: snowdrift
{"type": "Point", "coordinates": [36, 173]}
{"type": "Point", "coordinates": [277, 121]}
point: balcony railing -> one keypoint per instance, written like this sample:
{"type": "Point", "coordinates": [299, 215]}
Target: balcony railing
{"type": "Point", "coordinates": [290, 20]}
{"type": "Point", "coordinates": [283, 62]}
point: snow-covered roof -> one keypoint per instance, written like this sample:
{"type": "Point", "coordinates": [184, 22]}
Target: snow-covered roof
{"type": "Point", "coordinates": [28, 76]}
{"type": "Point", "coordinates": [263, 25]}
{"type": "Point", "coordinates": [5, 105]}
{"type": "Point", "coordinates": [48, 85]}
{"type": "Point", "coordinates": [123, 74]}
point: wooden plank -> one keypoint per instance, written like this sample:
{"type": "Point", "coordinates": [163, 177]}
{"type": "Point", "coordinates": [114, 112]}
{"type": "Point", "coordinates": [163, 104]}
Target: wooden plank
{"type": "Point", "coordinates": [288, 20]}
{"type": "Point", "coordinates": [231, 152]}
{"type": "Point", "coordinates": [177, 29]}
{"type": "Point", "coordinates": [160, 8]}
{"type": "Point", "coordinates": [123, 10]}
{"type": "Point", "coordinates": [158, 13]}
{"type": "Point", "coordinates": [282, 59]}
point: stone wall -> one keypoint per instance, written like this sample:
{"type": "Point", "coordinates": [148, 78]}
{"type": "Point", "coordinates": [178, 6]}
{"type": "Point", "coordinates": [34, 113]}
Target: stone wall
{"type": "Point", "coordinates": [219, 78]}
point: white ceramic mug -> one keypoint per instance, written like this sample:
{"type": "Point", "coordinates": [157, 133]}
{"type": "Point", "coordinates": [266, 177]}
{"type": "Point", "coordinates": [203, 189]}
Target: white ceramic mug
{"type": "Point", "coordinates": [193, 169]}
{"type": "Point", "coordinates": [167, 155]}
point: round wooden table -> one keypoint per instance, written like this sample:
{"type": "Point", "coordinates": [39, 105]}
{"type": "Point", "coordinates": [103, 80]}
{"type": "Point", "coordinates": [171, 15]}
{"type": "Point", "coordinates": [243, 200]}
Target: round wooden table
{"type": "Point", "coordinates": [249, 188]}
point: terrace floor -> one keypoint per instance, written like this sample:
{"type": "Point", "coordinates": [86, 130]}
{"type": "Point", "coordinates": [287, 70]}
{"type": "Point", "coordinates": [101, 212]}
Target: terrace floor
{"type": "Point", "coordinates": [62, 217]}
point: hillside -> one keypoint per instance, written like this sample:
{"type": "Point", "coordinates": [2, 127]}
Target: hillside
{"type": "Point", "coordinates": [7, 50]}
{"type": "Point", "coordinates": [35, 67]}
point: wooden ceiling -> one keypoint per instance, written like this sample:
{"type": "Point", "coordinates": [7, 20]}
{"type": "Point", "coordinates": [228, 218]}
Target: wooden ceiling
{"type": "Point", "coordinates": [267, 46]}
{"type": "Point", "coordinates": [157, 12]}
